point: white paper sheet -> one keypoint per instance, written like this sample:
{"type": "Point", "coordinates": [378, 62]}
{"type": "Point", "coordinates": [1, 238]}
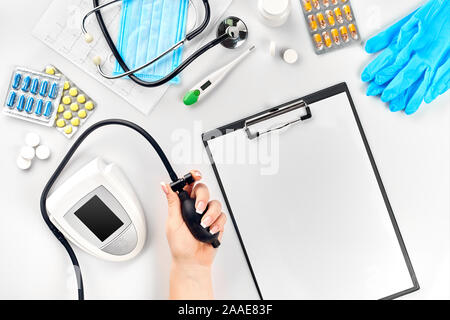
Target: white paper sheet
{"type": "Point", "coordinates": [310, 211]}
{"type": "Point", "coordinates": [60, 29]}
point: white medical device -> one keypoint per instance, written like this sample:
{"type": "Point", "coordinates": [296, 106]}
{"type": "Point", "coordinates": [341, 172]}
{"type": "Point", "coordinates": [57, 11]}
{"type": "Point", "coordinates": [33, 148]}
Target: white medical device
{"type": "Point", "coordinates": [98, 210]}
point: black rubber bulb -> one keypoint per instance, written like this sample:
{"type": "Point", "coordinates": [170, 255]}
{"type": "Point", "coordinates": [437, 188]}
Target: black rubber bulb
{"type": "Point", "coordinates": [193, 219]}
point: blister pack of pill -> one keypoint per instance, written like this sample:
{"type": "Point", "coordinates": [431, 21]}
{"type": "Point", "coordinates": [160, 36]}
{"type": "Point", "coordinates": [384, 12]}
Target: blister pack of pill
{"type": "Point", "coordinates": [33, 96]}
{"type": "Point", "coordinates": [74, 108]}
{"type": "Point", "coordinates": [331, 24]}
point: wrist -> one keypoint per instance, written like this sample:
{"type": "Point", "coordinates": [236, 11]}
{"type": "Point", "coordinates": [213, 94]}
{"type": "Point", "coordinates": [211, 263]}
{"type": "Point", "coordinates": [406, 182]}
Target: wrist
{"type": "Point", "coordinates": [190, 282]}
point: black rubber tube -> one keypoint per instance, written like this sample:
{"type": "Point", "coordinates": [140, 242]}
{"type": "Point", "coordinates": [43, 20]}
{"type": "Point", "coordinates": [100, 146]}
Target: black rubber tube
{"type": "Point", "coordinates": [62, 165]}
{"type": "Point", "coordinates": [176, 71]}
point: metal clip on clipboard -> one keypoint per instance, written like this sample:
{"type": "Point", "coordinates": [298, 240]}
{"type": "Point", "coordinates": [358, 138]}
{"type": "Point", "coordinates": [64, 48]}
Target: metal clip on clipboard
{"type": "Point", "coordinates": [275, 112]}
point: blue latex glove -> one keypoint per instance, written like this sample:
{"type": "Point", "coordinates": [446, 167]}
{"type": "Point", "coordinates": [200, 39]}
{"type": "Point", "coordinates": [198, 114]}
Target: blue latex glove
{"type": "Point", "coordinates": [441, 82]}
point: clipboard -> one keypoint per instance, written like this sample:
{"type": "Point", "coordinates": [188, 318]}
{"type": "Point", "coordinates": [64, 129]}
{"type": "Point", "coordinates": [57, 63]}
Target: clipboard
{"type": "Point", "coordinates": [320, 225]}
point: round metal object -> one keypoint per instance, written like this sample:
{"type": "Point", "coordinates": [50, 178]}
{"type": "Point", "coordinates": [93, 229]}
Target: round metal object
{"type": "Point", "coordinates": [237, 31]}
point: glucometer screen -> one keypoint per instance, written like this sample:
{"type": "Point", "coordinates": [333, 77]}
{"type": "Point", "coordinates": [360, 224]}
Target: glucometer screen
{"type": "Point", "coordinates": [98, 218]}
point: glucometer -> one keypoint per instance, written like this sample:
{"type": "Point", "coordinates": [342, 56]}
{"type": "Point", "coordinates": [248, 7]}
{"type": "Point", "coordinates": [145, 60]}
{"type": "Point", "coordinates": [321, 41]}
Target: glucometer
{"type": "Point", "coordinates": [98, 210]}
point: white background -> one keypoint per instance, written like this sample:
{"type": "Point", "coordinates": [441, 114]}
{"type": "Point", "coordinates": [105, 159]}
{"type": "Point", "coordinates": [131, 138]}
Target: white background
{"type": "Point", "coordinates": [412, 154]}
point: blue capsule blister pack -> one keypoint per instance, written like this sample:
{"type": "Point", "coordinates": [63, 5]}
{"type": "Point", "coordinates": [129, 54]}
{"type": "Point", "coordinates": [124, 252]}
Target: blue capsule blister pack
{"type": "Point", "coordinates": [33, 96]}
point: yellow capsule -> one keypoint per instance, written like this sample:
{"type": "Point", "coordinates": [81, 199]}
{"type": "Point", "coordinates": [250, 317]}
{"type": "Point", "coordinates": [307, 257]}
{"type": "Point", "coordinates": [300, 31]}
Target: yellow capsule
{"type": "Point", "coordinates": [353, 32]}
{"type": "Point", "coordinates": [61, 108]}
{"type": "Point", "coordinates": [81, 98]}
{"type": "Point", "coordinates": [344, 33]}
{"type": "Point", "coordinates": [60, 123]}
{"type": "Point", "coordinates": [335, 36]}
{"type": "Point", "coordinates": [330, 17]}
{"type": "Point", "coordinates": [75, 122]}
{"type": "Point", "coordinates": [334, 2]}
{"type": "Point", "coordinates": [327, 39]}
{"type": "Point", "coordinates": [326, 3]}
{"type": "Point", "coordinates": [50, 70]}
{"type": "Point", "coordinates": [74, 107]}
{"type": "Point", "coordinates": [321, 19]}
{"type": "Point", "coordinates": [73, 92]}
{"type": "Point", "coordinates": [67, 115]}
{"type": "Point", "coordinates": [338, 13]}
{"type": "Point", "coordinates": [66, 85]}
{"type": "Point", "coordinates": [307, 5]}
{"type": "Point", "coordinates": [68, 129]}
{"type": "Point", "coordinates": [348, 12]}
{"type": "Point", "coordinates": [318, 40]}
{"type": "Point", "coordinates": [343, 1]}
{"type": "Point", "coordinates": [89, 105]}
{"type": "Point", "coordinates": [316, 4]}
{"type": "Point", "coordinates": [82, 114]}
{"type": "Point", "coordinates": [312, 22]}
{"type": "Point", "coordinates": [67, 100]}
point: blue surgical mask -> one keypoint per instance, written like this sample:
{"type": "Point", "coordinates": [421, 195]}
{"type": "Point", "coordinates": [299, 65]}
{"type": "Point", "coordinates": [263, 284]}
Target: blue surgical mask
{"type": "Point", "coordinates": [147, 29]}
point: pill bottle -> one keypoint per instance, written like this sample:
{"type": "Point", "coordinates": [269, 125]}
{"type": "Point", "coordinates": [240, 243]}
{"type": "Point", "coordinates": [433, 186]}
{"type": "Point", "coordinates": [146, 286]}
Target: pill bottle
{"type": "Point", "coordinates": [274, 13]}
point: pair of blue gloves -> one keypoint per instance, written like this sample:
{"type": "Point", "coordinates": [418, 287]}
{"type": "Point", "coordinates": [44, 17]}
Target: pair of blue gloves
{"type": "Point", "coordinates": [414, 65]}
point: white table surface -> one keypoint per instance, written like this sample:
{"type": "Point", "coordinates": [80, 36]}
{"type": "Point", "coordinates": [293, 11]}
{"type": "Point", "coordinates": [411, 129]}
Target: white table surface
{"type": "Point", "coordinates": [412, 154]}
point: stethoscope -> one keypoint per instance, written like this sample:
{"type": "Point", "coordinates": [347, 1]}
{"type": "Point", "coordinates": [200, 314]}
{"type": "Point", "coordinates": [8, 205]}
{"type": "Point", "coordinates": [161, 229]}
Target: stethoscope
{"type": "Point", "coordinates": [231, 33]}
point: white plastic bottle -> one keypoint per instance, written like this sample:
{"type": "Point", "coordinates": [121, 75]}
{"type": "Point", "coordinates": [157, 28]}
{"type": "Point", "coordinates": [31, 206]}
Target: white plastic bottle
{"type": "Point", "coordinates": [274, 13]}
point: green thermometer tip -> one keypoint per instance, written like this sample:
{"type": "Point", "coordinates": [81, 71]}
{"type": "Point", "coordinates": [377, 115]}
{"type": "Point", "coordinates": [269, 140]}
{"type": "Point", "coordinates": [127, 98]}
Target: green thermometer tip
{"type": "Point", "coordinates": [191, 97]}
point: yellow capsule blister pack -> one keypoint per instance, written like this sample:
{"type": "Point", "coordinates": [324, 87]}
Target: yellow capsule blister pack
{"type": "Point", "coordinates": [74, 108]}
{"type": "Point", "coordinates": [331, 24]}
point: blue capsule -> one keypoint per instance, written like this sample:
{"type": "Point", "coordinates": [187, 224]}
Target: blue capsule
{"type": "Point", "coordinates": [29, 105]}
{"type": "Point", "coordinates": [26, 84]}
{"type": "Point", "coordinates": [53, 91]}
{"type": "Point", "coordinates": [44, 88]}
{"type": "Point", "coordinates": [48, 109]}
{"type": "Point", "coordinates": [16, 81]}
{"type": "Point", "coordinates": [34, 86]}
{"type": "Point", "coordinates": [21, 103]}
{"type": "Point", "coordinates": [11, 99]}
{"type": "Point", "coordinates": [39, 106]}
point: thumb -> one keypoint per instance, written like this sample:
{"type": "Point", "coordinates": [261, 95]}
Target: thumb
{"type": "Point", "coordinates": [173, 201]}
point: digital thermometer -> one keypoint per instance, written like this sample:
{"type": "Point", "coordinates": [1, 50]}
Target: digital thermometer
{"type": "Point", "coordinates": [98, 210]}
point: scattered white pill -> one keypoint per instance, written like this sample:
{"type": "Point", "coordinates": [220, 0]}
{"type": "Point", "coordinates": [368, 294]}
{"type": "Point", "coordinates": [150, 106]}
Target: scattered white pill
{"type": "Point", "coordinates": [88, 38]}
{"type": "Point", "coordinates": [42, 152]}
{"type": "Point", "coordinates": [32, 139]}
{"type": "Point", "coordinates": [23, 164]}
{"type": "Point", "coordinates": [290, 56]}
{"type": "Point", "coordinates": [97, 60]}
{"type": "Point", "coordinates": [27, 152]}
{"type": "Point", "coordinates": [273, 48]}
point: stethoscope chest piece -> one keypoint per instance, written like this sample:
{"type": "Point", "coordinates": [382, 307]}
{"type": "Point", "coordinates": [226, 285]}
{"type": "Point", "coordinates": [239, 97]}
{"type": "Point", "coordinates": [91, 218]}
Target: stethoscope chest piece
{"type": "Point", "coordinates": [237, 31]}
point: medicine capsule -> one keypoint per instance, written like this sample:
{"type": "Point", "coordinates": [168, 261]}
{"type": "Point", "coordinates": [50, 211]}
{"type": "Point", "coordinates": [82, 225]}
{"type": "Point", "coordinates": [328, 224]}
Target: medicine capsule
{"type": "Point", "coordinates": [321, 19]}
{"type": "Point", "coordinates": [11, 99]}
{"type": "Point", "coordinates": [81, 98]}
{"type": "Point", "coordinates": [61, 108]}
{"type": "Point", "coordinates": [29, 105]}
{"type": "Point", "coordinates": [326, 3]}
{"type": "Point", "coordinates": [348, 12]}
{"type": "Point", "coordinates": [343, 1]}
{"type": "Point", "coordinates": [73, 92]}
{"type": "Point", "coordinates": [44, 88]}
{"type": "Point", "coordinates": [318, 40]}
{"type": "Point", "coordinates": [82, 114]}
{"type": "Point", "coordinates": [312, 22]}
{"type": "Point", "coordinates": [75, 122]}
{"type": "Point", "coordinates": [50, 70]}
{"type": "Point", "coordinates": [335, 36]}
{"type": "Point", "coordinates": [67, 100]}
{"type": "Point", "coordinates": [26, 84]}
{"type": "Point", "coordinates": [67, 115]}
{"type": "Point", "coordinates": [39, 106]}
{"type": "Point", "coordinates": [48, 109]}
{"type": "Point", "coordinates": [34, 86]}
{"type": "Point", "coordinates": [60, 123]}
{"type": "Point", "coordinates": [334, 1]}
{"type": "Point", "coordinates": [316, 4]}
{"type": "Point", "coordinates": [338, 13]}
{"type": "Point", "coordinates": [89, 105]}
{"type": "Point", "coordinates": [16, 81]}
{"type": "Point", "coordinates": [327, 39]}
{"type": "Point", "coordinates": [353, 32]}
{"type": "Point", "coordinates": [53, 91]}
{"type": "Point", "coordinates": [68, 129]}
{"type": "Point", "coordinates": [330, 17]}
{"type": "Point", "coordinates": [21, 103]}
{"type": "Point", "coordinates": [307, 5]}
{"type": "Point", "coordinates": [66, 85]}
{"type": "Point", "coordinates": [74, 107]}
{"type": "Point", "coordinates": [344, 33]}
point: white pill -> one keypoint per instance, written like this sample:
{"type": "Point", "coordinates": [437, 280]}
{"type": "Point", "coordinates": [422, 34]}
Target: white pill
{"type": "Point", "coordinates": [97, 60]}
{"type": "Point", "coordinates": [43, 152]}
{"type": "Point", "coordinates": [290, 56]}
{"type": "Point", "coordinates": [23, 164]}
{"type": "Point", "coordinates": [32, 139]}
{"type": "Point", "coordinates": [27, 152]}
{"type": "Point", "coordinates": [273, 48]}
{"type": "Point", "coordinates": [88, 38]}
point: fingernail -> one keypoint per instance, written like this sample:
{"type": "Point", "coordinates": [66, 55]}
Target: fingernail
{"type": "Point", "coordinates": [200, 208]}
{"type": "Point", "coordinates": [164, 188]}
{"type": "Point", "coordinates": [214, 230]}
{"type": "Point", "coordinates": [206, 222]}
{"type": "Point", "coordinates": [197, 174]}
